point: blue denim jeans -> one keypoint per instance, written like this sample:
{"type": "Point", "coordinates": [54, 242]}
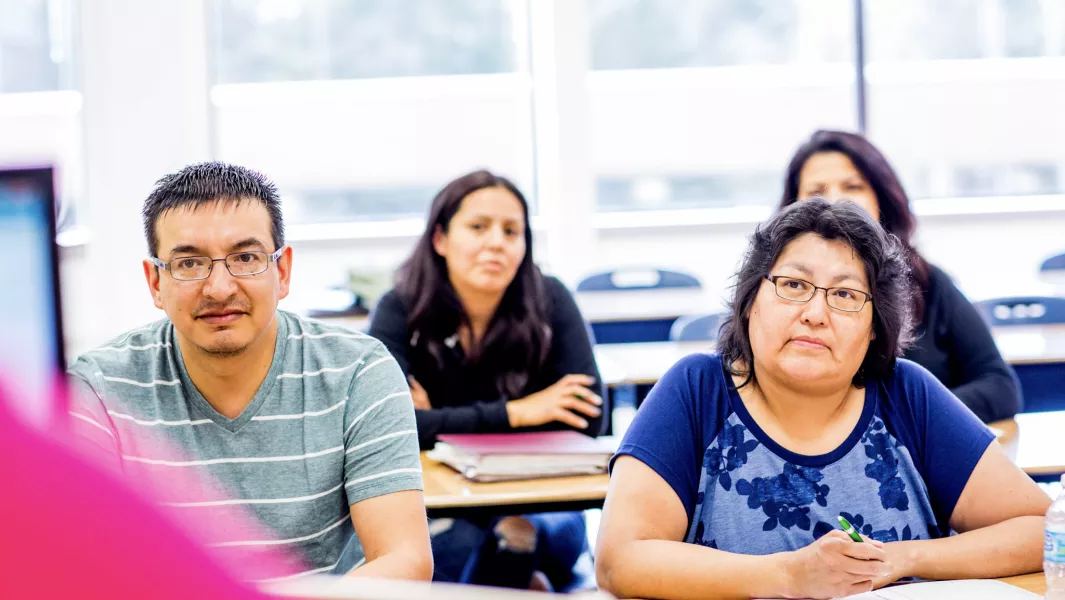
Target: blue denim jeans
{"type": "Point", "coordinates": [467, 552]}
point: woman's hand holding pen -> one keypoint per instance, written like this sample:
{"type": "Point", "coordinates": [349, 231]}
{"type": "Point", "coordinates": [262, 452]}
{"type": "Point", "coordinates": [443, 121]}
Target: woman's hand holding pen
{"type": "Point", "coordinates": [834, 566]}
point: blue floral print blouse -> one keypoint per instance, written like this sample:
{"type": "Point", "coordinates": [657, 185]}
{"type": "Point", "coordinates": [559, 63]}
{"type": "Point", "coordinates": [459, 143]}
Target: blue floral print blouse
{"type": "Point", "coordinates": [896, 477]}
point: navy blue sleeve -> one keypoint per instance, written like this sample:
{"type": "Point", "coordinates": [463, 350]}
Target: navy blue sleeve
{"type": "Point", "coordinates": [676, 421]}
{"type": "Point", "coordinates": [945, 438]}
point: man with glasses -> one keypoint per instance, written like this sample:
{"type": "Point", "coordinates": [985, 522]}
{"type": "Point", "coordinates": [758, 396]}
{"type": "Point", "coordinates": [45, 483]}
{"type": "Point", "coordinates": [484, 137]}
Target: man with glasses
{"type": "Point", "coordinates": [276, 436]}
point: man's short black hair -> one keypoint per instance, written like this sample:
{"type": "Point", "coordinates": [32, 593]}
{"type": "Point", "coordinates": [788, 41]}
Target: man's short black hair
{"type": "Point", "coordinates": [208, 182]}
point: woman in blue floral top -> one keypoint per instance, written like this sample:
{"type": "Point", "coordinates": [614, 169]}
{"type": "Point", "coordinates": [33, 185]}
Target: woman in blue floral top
{"type": "Point", "coordinates": [729, 482]}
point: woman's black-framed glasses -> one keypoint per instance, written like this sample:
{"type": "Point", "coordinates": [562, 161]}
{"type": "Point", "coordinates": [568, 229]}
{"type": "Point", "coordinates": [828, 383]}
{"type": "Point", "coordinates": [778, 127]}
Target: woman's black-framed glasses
{"type": "Point", "coordinates": [240, 264]}
{"type": "Point", "coordinates": [800, 290]}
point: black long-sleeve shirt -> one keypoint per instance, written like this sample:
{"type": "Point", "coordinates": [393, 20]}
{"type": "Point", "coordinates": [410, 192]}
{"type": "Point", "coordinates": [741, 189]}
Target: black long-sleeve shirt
{"type": "Point", "coordinates": [464, 397]}
{"type": "Point", "coordinates": [956, 346]}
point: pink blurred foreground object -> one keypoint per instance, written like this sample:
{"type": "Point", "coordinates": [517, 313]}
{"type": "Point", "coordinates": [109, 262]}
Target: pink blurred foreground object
{"type": "Point", "coordinates": [72, 530]}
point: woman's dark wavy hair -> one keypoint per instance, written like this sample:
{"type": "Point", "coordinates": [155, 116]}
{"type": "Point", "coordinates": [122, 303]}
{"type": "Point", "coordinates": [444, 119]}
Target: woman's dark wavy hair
{"type": "Point", "coordinates": [895, 213]}
{"type": "Point", "coordinates": [886, 267]}
{"type": "Point", "coordinates": [518, 338]}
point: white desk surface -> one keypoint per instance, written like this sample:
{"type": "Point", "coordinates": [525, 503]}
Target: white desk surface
{"type": "Point", "coordinates": [646, 362]}
{"type": "Point", "coordinates": [322, 587]}
{"type": "Point", "coordinates": [645, 305]}
{"type": "Point", "coordinates": [1031, 344]}
{"type": "Point", "coordinates": [1033, 441]}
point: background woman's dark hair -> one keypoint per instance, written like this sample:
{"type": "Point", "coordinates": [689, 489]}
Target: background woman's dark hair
{"type": "Point", "coordinates": [895, 213]}
{"type": "Point", "coordinates": [886, 267]}
{"type": "Point", "coordinates": [517, 341]}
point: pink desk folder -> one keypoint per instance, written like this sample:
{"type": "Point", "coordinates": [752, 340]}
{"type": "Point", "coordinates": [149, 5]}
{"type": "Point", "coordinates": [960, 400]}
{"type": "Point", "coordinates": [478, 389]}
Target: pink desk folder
{"type": "Point", "coordinates": [509, 456]}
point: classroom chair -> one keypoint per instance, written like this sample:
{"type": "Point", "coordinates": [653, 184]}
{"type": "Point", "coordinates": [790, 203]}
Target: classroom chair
{"type": "Point", "coordinates": [1023, 310]}
{"type": "Point", "coordinates": [635, 278]}
{"type": "Point", "coordinates": [1053, 264]}
{"type": "Point", "coordinates": [696, 328]}
{"type": "Point", "coordinates": [1041, 383]}
{"type": "Point", "coordinates": [1052, 272]}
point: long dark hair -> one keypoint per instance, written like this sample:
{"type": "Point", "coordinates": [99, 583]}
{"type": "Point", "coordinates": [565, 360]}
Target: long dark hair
{"type": "Point", "coordinates": [518, 338]}
{"type": "Point", "coordinates": [886, 267]}
{"type": "Point", "coordinates": [895, 213]}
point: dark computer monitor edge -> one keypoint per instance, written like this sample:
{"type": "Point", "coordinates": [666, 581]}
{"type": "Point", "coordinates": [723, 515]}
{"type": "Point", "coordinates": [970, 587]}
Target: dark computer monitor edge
{"type": "Point", "coordinates": [44, 178]}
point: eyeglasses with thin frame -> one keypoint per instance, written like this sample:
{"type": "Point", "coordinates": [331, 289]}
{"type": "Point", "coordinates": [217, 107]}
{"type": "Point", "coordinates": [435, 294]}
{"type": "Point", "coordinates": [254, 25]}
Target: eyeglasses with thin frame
{"type": "Point", "coordinates": [239, 264]}
{"type": "Point", "coordinates": [800, 290]}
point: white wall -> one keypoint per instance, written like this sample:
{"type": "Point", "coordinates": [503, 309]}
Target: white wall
{"type": "Point", "coordinates": [144, 88]}
{"type": "Point", "coordinates": [377, 132]}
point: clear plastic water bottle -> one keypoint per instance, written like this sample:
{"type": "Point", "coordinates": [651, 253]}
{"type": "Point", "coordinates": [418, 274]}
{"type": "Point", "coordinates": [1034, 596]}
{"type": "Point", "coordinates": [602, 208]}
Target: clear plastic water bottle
{"type": "Point", "coordinates": [1054, 547]}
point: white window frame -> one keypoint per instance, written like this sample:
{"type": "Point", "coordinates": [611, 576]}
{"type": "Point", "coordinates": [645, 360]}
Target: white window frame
{"type": "Point", "coordinates": [122, 99]}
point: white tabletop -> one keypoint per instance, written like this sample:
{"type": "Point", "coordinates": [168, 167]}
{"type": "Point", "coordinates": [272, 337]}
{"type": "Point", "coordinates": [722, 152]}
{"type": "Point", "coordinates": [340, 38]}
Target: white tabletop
{"type": "Point", "coordinates": [1033, 441]}
{"type": "Point", "coordinates": [646, 362]}
{"type": "Point", "coordinates": [645, 305]}
{"type": "Point", "coordinates": [323, 587]}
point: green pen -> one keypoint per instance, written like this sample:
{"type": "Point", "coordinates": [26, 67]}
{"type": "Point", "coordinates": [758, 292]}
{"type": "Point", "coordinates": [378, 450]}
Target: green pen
{"type": "Point", "coordinates": [849, 529]}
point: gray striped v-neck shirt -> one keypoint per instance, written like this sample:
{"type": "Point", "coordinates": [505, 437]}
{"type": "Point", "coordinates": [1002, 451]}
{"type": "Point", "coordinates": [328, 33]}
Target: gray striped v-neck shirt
{"type": "Point", "coordinates": [331, 425]}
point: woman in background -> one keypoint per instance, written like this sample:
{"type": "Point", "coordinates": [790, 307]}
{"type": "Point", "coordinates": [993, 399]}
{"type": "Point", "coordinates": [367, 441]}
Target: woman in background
{"type": "Point", "coordinates": [491, 345]}
{"type": "Point", "coordinates": [953, 342]}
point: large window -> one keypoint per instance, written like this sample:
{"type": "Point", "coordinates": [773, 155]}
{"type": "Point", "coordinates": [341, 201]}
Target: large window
{"type": "Point", "coordinates": [362, 109]}
{"type": "Point", "coordinates": [699, 103]}
{"type": "Point", "coordinates": [300, 40]}
{"type": "Point", "coordinates": [974, 108]}
{"type": "Point", "coordinates": [40, 113]}
{"type": "Point", "coordinates": [668, 34]}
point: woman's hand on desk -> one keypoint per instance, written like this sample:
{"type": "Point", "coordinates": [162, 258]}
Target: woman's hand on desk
{"type": "Point", "coordinates": [418, 394]}
{"type": "Point", "coordinates": [835, 566]}
{"type": "Point", "coordinates": [901, 559]}
{"type": "Point", "coordinates": [563, 402]}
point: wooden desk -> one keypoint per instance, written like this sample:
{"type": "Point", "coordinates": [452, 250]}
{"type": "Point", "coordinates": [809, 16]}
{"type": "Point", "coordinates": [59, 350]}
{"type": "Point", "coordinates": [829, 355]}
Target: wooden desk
{"type": "Point", "coordinates": [1033, 582]}
{"type": "Point", "coordinates": [646, 362]}
{"type": "Point", "coordinates": [448, 494]}
{"type": "Point", "coordinates": [1034, 442]}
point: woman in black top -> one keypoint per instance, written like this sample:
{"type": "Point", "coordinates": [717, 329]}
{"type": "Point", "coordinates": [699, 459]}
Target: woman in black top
{"type": "Point", "coordinates": [953, 342]}
{"type": "Point", "coordinates": [491, 345]}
